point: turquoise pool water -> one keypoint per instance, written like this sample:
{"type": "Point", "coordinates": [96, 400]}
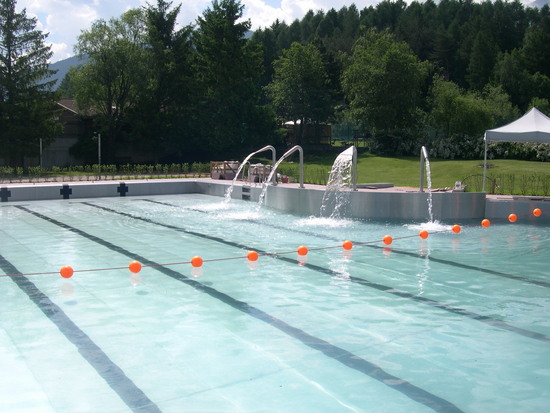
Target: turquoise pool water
{"type": "Point", "coordinates": [456, 322]}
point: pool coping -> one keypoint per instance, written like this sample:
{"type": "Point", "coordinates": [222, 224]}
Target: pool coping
{"type": "Point", "coordinates": [368, 201]}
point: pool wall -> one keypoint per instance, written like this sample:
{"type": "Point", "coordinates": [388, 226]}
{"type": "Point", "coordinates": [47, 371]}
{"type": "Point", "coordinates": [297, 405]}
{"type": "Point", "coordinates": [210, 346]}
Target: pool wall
{"type": "Point", "coordinates": [447, 206]}
{"type": "Point", "coordinates": [401, 205]}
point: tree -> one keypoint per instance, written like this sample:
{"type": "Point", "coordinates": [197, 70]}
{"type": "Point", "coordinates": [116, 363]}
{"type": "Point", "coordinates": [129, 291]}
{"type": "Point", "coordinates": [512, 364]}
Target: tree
{"type": "Point", "coordinates": [110, 82]}
{"type": "Point", "coordinates": [228, 71]}
{"type": "Point", "coordinates": [160, 117]}
{"type": "Point", "coordinates": [383, 83]}
{"type": "Point", "coordinates": [299, 90]}
{"type": "Point", "coordinates": [27, 104]}
{"type": "Point", "coordinates": [482, 61]}
{"type": "Point", "coordinates": [461, 117]}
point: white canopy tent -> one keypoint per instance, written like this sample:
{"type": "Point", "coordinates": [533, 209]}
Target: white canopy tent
{"type": "Point", "coordinates": [534, 126]}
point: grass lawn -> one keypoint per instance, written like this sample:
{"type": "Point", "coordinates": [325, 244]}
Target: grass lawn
{"type": "Point", "coordinates": [511, 176]}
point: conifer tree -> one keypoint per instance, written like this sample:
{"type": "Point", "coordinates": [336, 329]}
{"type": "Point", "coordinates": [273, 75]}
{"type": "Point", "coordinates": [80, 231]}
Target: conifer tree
{"type": "Point", "coordinates": [27, 104]}
{"type": "Point", "coordinates": [229, 70]}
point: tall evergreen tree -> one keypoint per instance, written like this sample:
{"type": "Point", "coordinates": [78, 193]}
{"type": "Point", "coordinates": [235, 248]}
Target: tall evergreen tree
{"type": "Point", "coordinates": [482, 61]}
{"type": "Point", "coordinates": [228, 73]}
{"type": "Point", "coordinates": [161, 115]}
{"type": "Point", "coordinates": [27, 104]}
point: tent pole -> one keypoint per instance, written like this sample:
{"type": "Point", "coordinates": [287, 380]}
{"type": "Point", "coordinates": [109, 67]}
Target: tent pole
{"type": "Point", "coordinates": [484, 164]}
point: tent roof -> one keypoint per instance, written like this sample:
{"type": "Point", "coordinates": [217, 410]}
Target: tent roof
{"type": "Point", "coordinates": [534, 126]}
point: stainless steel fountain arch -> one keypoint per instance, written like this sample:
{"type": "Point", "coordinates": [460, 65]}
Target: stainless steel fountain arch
{"type": "Point", "coordinates": [273, 157]}
{"type": "Point", "coordinates": [287, 154]}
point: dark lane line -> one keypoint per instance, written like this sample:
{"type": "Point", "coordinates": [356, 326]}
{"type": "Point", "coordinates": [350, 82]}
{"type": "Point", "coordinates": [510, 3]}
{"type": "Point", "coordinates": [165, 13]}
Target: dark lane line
{"type": "Point", "coordinates": [339, 354]}
{"type": "Point", "coordinates": [126, 389]}
{"type": "Point", "coordinates": [493, 322]}
{"type": "Point", "coordinates": [540, 283]}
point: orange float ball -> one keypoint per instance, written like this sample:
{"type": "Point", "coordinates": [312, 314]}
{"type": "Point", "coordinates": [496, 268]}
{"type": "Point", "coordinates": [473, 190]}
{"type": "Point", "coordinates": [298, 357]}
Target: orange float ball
{"type": "Point", "coordinates": [347, 245]}
{"type": "Point", "coordinates": [537, 212]}
{"type": "Point", "coordinates": [456, 228]}
{"type": "Point", "coordinates": [387, 239]}
{"type": "Point", "coordinates": [423, 234]}
{"type": "Point", "coordinates": [196, 261]}
{"type": "Point", "coordinates": [252, 256]}
{"type": "Point", "coordinates": [512, 217]}
{"type": "Point", "coordinates": [302, 250]}
{"type": "Point", "coordinates": [66, 271]}
{"type": "Point", "coordinates": [485, 223]}
{"type": "Point", "coordinates": [135, 267]}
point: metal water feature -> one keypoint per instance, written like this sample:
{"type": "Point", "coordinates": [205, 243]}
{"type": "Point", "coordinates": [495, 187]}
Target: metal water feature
{"type": "Point", "coordinates": [229, 191]}
{"type": "Point", "coordinates": [342, 180]}
{"type": "Point", "coordinates": [425, 166]}
{"type": "Point", "coordinates": [271, 177]}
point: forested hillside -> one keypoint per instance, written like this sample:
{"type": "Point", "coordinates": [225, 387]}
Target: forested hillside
{"type": "Point", "coordinates": [397, 75]}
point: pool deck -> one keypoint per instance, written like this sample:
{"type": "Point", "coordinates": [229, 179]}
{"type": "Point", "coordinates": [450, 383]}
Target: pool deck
{"type": "Point", "coordinates": [378, 201]}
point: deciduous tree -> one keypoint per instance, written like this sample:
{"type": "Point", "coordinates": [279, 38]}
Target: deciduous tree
{"type": "Point", "coordinates": [111, 80]}
{"type": "Point", "coordinates": [383, 83]}
{"type": "Point", "coordinates": [300, 88]}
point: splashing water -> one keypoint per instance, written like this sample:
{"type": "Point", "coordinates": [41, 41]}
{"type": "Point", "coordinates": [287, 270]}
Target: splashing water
{"type": "Point", "coordinates": [337, 194]}
{"type": "Point", "coordinates": [229, 190]}
{"type": "Point", "coordinates": [430, 199]}
{"type": "Point", "coordinates": [323, 222]}
{"type": "Point", "coordinates": [429, 180]}
{"type": "Point", "coordinates": [267, 181]}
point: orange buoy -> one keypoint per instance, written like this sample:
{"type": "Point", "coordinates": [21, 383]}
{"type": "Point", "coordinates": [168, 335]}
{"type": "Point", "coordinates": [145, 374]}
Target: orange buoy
{"type": "Point", "coordinates": [485, 223]}
{"type": "Point", "coordinates": [537, 212]}
{"type": "Point", "coordinates": [387, 239]}
{"type": "Point", "coordinates": [423, 234]}
{"type": "Point", "coordinates": [456, 228]}
{"type": "Point", "coordinates": [252, 256]}
{"type": "Point", "coordinates": [347, 245]}
{"type": "Point", "coordinates": [135, 267]}
{"type": "Point", "coordinates": [66, 271]}
{"type": "Point", "coordinates": [512, 217]}
{"type": "Point", "coordinates": [196, 261]}
{"type": "Point", "coordinates": [302, 250]}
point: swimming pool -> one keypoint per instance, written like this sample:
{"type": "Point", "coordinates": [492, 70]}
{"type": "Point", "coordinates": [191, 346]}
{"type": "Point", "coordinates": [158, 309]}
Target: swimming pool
{"type": "Point", "coordinates": [456, 322]}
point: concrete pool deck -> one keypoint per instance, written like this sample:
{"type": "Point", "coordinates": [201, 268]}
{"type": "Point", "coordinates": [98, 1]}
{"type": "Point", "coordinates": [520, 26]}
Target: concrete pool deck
{"type": "Point", "coordinates": [384, 202]}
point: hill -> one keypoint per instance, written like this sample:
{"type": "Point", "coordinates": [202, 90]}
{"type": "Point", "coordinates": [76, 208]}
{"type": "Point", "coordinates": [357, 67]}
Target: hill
{"type": "Point", "coordinates": [63, 67]}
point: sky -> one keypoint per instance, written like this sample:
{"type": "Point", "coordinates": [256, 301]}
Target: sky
{"type": "Point", "coordinates": [65, 19]}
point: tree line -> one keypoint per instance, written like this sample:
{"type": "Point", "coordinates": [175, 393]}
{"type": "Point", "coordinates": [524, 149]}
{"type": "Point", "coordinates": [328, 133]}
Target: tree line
{"type": "Point", "coordinates": [435, 74]}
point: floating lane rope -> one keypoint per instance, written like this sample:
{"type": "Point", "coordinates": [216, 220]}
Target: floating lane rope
{"type": "Point", "coordinates": [196, 262]}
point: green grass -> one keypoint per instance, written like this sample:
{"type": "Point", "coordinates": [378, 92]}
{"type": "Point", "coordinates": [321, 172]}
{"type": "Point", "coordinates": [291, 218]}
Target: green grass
{"type": "Point", "coordinates": [509, 176]}
{"type": "Point", "coordinates": [504, 176]}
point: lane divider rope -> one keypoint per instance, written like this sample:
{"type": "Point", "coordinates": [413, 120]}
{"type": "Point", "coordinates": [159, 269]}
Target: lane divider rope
{"type": "Point", "coordinates": [135, 266]}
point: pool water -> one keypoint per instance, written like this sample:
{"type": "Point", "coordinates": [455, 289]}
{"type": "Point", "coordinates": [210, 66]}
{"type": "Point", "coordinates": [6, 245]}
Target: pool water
{"type": "Point", "coordinates": [452, 323]}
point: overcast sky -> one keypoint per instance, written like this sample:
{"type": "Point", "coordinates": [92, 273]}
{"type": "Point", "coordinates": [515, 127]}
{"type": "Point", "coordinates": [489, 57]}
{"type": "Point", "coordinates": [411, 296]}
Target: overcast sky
{"type": "Point", "coordinates": [64, 19]}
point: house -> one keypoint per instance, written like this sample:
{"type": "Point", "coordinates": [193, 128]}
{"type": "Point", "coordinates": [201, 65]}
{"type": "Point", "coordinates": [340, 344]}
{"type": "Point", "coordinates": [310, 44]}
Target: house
{"type": "Point", "coordinates": [75, 125]}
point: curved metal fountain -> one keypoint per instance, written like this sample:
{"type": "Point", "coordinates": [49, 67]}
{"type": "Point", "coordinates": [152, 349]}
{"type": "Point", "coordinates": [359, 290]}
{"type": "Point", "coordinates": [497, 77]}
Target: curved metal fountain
{"type": "Point", "coordinates": [244, 162]}
{"type": "Point", "coordinates": [286, 155]}
{"type": "Point", "coordinates": [274, 171]}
